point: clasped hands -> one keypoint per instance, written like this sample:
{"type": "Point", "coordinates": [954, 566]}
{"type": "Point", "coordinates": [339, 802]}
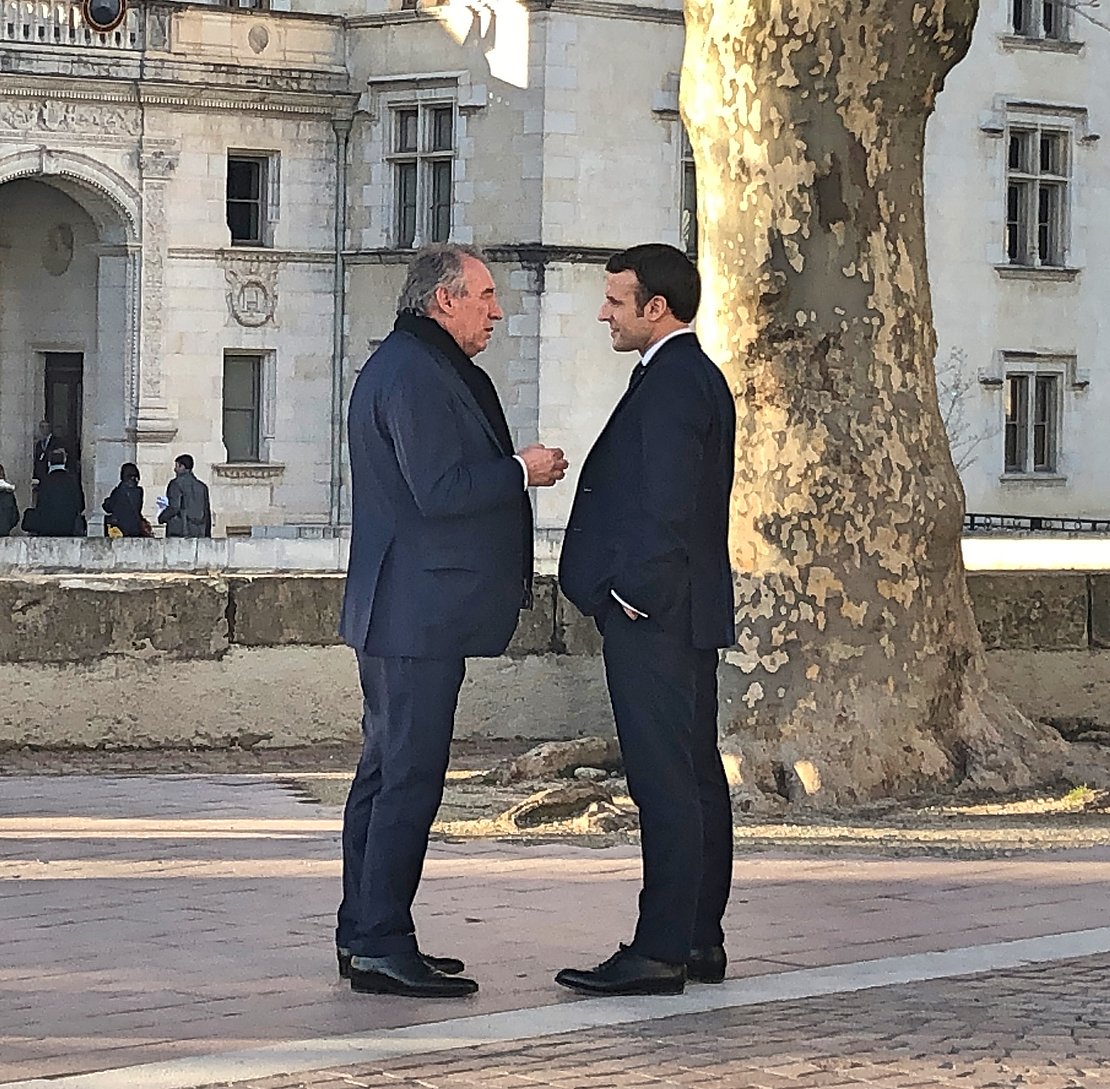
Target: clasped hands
{"type": "Point", "coordinates": [545, 464]}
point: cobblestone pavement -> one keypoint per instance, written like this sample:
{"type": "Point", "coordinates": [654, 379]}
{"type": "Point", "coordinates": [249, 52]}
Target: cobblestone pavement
{"type": "Point", "coordinates": [153, 919]}
{"type": "Point", "coordinates": [1045, 1027]}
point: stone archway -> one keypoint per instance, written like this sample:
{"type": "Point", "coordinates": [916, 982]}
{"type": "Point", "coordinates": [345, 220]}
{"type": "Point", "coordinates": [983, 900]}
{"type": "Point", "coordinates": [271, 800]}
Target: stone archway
{"type": "Point", "coordinates": [69, 293]}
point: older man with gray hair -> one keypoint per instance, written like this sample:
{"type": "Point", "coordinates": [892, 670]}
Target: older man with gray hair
{"type": "Point", "coordinates": [440, 565]}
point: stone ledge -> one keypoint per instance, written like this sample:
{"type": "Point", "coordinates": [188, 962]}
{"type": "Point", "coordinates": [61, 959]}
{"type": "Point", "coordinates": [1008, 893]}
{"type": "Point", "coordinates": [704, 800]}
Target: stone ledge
{"type": "Point", "coordinates": [1031, 611]}
{"type": "Point", "coordinates": [78, 618]}
{"type": "Point", "coordinates": [260, 471]}
{"type": "Point", "coordinates": [75, 617]}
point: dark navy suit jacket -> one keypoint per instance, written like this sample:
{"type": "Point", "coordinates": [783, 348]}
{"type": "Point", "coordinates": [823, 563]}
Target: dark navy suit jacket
{"type": "Point", "coordinates": [436, 542]}
{"type": "Point", "coordinates": [650, 516]}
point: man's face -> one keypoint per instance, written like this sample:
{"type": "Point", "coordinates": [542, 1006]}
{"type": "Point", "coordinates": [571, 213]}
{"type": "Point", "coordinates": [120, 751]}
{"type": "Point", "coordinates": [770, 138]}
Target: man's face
{"type": "Point", "coordinates": [42, 431]}
{"type": "Point", "coordinates": [178, 468]}
{"type": "Point", "coordinates": [629, 326]}
{"type": "Point", "coordinates": [470, 316]}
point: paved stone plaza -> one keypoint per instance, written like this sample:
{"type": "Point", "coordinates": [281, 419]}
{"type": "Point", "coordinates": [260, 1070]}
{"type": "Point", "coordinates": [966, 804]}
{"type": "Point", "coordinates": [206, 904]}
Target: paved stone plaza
{"type": "Point", "coordinates": [175, 932]}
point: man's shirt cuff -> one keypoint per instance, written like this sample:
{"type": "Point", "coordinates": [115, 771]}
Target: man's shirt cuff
{"type": "Point", "coordinates": [620, 601]}
{"type": "Point", "coordinates": [517, 458]}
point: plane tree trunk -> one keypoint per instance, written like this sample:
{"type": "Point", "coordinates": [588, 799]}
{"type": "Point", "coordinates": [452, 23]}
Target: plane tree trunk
{"type": "Point", "coordinates": [858, 671]}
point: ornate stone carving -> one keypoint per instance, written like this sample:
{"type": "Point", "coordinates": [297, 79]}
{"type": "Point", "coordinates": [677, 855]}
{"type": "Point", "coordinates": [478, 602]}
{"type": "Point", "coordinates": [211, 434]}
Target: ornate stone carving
{"type": "Point", "coordinates": [57, 253]}
{"type": "Point", "coordinates": [153, 422]}
{"type": "Point", "coordinates": [158, 163]}
{"type": "Point", "coordinates": [154, 281]}
{"type": "Point", "coordinates": [158, 27]}
{"type": "Point", "coordinates": [251, 291]}
{"type": "Point", "coordinates": [53, 115]}
{"type": "Point", "coordinates": [260, 472]}
{"type": "Point", "coordinates": [258, 38]}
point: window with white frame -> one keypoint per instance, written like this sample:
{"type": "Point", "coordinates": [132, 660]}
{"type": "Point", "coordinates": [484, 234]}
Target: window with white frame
{"type": "Point", "coordinates": [422, 162]}
{"type": "Point", "coordinates": [1046, 19]}
{"type": "Point", "coordinates": [1037, 173]}
{"type": "Point", "coordinates": [242, 406]}
{"type": "Point", "coordinates": [688, 197]}
{"type": "Point", "coordinates": [1032, 427]}
{"type": "Point", "coordinates": [251, 197]}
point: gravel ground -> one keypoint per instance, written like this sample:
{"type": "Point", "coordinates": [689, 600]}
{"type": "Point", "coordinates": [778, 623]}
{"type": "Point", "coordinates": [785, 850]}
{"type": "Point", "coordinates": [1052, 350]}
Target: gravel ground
{"type": "Point", "coordinates": [946, 827]}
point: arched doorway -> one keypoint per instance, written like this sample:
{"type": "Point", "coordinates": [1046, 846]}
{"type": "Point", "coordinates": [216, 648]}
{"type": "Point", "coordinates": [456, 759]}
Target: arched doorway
{"type": "Point", "coordinates": [66, 347]}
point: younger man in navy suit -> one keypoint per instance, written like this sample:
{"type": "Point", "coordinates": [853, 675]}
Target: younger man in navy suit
{"type": "Point", "coordinates": [646, 555]}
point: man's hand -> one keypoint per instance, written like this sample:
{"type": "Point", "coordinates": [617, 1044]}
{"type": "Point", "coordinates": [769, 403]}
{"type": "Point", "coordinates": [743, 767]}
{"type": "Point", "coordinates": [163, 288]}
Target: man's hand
{"type": "Point", "coordinates": [630, 613]}
{"type": "Point", "coordinates": [545, 464]}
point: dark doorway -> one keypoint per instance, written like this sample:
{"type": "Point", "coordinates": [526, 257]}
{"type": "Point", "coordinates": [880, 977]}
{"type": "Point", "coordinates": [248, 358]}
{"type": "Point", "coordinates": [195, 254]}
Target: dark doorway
{"type": "Point", "coordinates": [63, 388]}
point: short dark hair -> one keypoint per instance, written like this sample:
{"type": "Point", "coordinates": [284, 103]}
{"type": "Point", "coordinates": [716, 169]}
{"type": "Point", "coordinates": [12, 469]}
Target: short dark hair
{"type": "Point", "coordinates": [661, 270]}
{"type": "Point", "coordinates": [129, 471]}
{"type": "Point", "coordinates": [186, 460]}
{"type": "Point", "coordinates": [57, 456]}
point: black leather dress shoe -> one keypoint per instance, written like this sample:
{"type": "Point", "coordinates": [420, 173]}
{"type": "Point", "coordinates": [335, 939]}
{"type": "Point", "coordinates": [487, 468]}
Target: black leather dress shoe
{"type": "Point", "coordinates": [626, 972]}
{"type": "Point", "coordinates": [449, 966]}
{"type": "Point", "coordinates": [406, 974]}
{"type": "Point", "coordinates": [706, 964]}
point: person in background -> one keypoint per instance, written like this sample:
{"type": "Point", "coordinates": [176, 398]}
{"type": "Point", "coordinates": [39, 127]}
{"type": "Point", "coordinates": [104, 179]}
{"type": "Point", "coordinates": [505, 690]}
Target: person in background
{"type": "Point", "coordinates": [59, 509]}
{"type": "Point", "coordinates": [9, 511]}
{"type": "Point", "coordinates": [45, 442]}
{"type": "Point", "coordinates": [187, 511]}
{"type": "Point", "coordinates": [124, 506]}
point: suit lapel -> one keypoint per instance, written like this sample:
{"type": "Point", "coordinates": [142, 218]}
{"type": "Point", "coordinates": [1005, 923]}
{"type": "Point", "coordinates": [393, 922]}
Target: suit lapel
{"type": "Point", "coordinates": [464, 395]}
{"type": "Point", "coordinates": [687, 340]}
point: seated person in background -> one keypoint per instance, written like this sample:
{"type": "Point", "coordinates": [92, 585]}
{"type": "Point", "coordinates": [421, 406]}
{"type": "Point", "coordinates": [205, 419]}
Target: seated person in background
{"type": "Point", "coordinates": [124, 506]}
{"type": "Point", "coordinates": [59, 505]}
{"type": "Point", "coordinates": [9, 512]}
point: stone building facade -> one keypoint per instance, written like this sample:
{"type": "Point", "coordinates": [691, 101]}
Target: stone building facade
{"type": "Point", "coordinates": [205, 213]}
{"type": "Point", "coordinates": [1018, 226]}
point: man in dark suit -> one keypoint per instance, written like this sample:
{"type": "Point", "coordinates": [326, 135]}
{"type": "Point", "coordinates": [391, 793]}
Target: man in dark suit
{"type": "Point", "coordinates": [440, 565]}
{"type": "Point", "coordinates": [59, 502]}
{"type": "Point", "coordinates": [646, 555]}
{"type": "Point", "coordinates": [45, 442]}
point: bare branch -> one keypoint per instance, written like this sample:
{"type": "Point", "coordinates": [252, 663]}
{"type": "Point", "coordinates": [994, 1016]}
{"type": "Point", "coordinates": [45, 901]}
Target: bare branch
{"type": "Point", "coordinates": [954, 385]}
{"type": "Point", "coordinates": [1082, 7]}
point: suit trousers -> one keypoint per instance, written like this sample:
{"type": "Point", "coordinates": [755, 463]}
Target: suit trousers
{"type": "Point", "coordinates": [664, 696]}
{"type": "Point", "coordinates": [408, 718]}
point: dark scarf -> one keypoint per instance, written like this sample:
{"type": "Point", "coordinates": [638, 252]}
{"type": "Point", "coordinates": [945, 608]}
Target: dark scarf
{"type": "Point", "coordinates": [474, 378]}
{"type": "Point", "coordinates": [482, 390]}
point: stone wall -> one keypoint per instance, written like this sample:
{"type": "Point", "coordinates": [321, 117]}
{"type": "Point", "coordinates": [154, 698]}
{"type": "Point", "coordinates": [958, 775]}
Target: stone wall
{"type": "Point", "coordinates": [209, 660]}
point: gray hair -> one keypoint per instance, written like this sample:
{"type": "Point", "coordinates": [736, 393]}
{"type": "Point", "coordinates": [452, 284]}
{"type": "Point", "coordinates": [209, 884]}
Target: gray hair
{"type": "Point", "coordinates": [433, 267]}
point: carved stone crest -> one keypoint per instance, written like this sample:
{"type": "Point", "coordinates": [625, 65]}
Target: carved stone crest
{"type": "Point", "coordinates": [158, 163]}
{"type": "Point", "coordinates": [251, 292]}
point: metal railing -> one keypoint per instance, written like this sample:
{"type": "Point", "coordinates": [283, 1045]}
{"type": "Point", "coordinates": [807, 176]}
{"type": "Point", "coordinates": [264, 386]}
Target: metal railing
{"type": "Point", "coordinates": [61, 23]}
{"type": "Point", "coordinates": [1033, 523]}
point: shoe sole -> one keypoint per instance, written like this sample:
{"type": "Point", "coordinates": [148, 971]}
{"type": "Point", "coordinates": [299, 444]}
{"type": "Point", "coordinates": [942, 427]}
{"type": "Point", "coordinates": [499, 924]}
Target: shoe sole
{"type": "Point", "coordinates": [704, 979]}
{"type": "Point", "coordinates": [399, 990]}
{"type": "Point", "coordinates": [642, 991]}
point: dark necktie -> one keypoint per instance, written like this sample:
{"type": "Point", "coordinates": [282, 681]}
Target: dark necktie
{"type": "Point", "coordinates": [636, 377]}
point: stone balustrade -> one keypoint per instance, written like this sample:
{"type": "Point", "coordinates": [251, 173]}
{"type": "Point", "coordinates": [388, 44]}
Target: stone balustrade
{"type": "Point", "coordinates": [62, 23]}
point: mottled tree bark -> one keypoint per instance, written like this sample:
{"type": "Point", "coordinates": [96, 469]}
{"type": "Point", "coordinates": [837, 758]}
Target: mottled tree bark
{"type": "Point", "coordinates": [858, 671]}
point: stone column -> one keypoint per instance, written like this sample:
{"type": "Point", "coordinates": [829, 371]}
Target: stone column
{"type": "Point", "coordinates": [151, 420]}
{"type": "Point", "coordinates": [109, 383]}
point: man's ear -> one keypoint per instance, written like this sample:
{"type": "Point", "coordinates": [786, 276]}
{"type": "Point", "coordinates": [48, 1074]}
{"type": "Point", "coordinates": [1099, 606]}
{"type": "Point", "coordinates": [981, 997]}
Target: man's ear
{"type": "Point", "coordinates": [656, 307]}
{"type": "Point", "coordinates": [443, 300]}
